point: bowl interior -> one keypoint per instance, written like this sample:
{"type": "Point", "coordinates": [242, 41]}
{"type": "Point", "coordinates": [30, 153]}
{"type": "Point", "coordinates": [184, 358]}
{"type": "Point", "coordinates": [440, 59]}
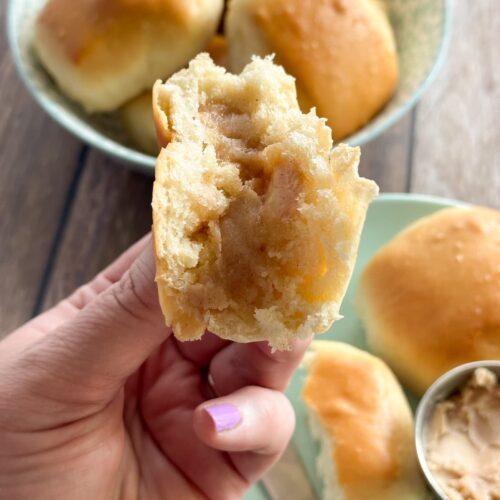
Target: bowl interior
{"type": "Point", "coordinates": [440, 390]}
{"type": "Point", "coordinates": [421, 28]}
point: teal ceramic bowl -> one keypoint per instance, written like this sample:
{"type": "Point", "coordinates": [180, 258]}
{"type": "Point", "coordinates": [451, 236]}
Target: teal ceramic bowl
{"type": "Point", "coordinates": [422, 29]}
{"type": "Point", "coordinates": [388, 215]}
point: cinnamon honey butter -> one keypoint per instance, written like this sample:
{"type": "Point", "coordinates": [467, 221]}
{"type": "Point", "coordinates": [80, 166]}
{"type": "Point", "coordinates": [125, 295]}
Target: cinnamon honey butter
{"type": "Point", "coordinates": [462, 440]}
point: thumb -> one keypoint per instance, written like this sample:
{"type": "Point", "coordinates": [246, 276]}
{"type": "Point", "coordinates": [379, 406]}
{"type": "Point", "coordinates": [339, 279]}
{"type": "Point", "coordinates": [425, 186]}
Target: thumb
{"type": "Point", "coordinates": [110, 338]}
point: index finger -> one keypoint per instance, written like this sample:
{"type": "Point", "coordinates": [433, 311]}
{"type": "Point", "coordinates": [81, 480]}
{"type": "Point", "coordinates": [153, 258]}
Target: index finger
{"type": "Point", "coordinates": [240, 365]}
{"type": "Point", "coordinates": [69, 307]}
{"type": "Point", "coordinates": [110, 275]}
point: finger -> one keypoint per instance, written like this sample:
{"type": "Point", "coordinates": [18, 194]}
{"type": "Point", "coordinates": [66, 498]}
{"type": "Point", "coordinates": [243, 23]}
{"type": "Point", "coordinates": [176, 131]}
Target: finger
{"type": "Point", "coordinates": [110, 338]}
{"type": "Point", "coordinates": [69, 307]}
{"type": "Point", "coordinates": [240, 424]}
{"type": "Point", "coordinates": [239, 365]}
{"type": "Point", "coordinates": [110, 275]}
{"type": "Point", "coordinates": [201, 352]}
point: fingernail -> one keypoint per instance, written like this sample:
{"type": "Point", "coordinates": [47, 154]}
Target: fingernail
{"type": "Point", "coordinates": [224, 416]}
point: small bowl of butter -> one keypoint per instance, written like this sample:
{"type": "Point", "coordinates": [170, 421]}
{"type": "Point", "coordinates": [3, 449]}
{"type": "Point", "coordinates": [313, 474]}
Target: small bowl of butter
{"type": "Point", "coordinates": [457, 432]}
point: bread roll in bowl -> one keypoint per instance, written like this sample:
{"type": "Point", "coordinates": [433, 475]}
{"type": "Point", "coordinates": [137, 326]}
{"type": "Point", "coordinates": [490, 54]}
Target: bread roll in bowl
{"type": "Point", "coordinates": [103, 53]}
{"type": "Point", "coordinates": [342, 53]}
{"type": "Point", "coordinates": [430, 298]}
{"type": "Point", "coordinates": [137, 120]}
{"type": "Point", "coordinates": [360, 415]}
{"type": "Point", "coordinates": [256, 219]}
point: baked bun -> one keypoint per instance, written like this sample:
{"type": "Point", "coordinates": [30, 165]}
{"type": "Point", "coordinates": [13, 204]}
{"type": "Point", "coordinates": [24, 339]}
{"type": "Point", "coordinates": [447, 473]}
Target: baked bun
{"type": "Point", "coordinates": [218, 50]}
{"type": "Point", "coordinates": [137, 115]}
{"type": "Point", "coordinates": [430, 299]}
{"type": "Point", "coordinates": [364, 424]}
{"type": "Point", "coordinates": [104, 52]}
{"type": "Point", "coordinates": [342, 53]}
{"type": "Point", "coordinates": [137, 120]}
{"type": "Point", "coordinates": [256, 219]}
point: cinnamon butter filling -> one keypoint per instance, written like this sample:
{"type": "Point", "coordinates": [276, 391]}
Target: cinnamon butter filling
{"type": "Point", "coordinates": [246, 247]}
{"type": "Point", "coordinates": [463, 440]}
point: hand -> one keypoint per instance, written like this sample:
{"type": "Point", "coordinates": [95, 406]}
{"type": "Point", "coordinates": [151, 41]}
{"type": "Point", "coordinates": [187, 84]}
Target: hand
{"type": "Point", "coordinates": [99, 401]}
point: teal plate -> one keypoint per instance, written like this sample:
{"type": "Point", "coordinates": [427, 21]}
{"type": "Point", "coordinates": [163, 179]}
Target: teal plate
{"type": "Point", "coordinates": [421, 28]}
{"type": "Point", "coordinates": [387, 216]}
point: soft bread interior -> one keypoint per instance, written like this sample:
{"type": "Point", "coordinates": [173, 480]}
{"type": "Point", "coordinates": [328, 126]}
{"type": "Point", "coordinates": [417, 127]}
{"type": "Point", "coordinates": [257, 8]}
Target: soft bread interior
{"type": "Point", "coordinates": [325, 467]}
{"type": "Point", "coordinates": [256, 218]}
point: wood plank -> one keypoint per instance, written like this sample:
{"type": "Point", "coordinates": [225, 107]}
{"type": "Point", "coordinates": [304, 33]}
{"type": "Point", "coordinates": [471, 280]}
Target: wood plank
{"type": "Point", "coordinates": [111, 210]}
{"type": "Point", "coordinates": [38, 161]}
{"type": "Point", "coordinates": [457, 134]}
{"type": "Point", "coordinates": [386, 159]}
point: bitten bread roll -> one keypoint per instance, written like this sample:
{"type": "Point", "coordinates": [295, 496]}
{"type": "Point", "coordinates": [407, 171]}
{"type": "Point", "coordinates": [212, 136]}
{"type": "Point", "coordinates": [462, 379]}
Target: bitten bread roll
{"type": "Point", "coordinates": [342, 53]}
{"type": "Point", "coordinates": [256, 219]}
{"type": "Point", "coordinates": [364, 424]}
{"type": "Point", "coordinates": [104, 52]}
{"type": "Point", "coordinates": [137, 115]}
{"type": "Point", "coordinates": [430, 299]}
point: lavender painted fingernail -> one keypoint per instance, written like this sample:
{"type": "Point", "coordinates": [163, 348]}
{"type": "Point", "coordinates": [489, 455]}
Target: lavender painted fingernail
{"type": "Point", "coordinates": [224, 416]}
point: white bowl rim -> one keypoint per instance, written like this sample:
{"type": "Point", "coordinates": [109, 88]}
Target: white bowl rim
{"type": "Point", "coordinates": [421, 198]}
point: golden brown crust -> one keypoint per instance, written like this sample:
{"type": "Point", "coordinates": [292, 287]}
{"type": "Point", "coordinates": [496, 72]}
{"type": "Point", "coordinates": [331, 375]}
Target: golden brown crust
{"type": "Point", "coordinates": [257, 220]}
{"type": "Point", "coordinates": [342, 53]}
{"type": "Point", "coordinates": [163, 132]}
{"type": "Point", "coordinates": [137, 120]}
{"type": "Point", "coordinates": [82, 26]}
{"type": "Point", "coordinates": [217, 48]}
{"type": "Point", "coordinates": [362, 411]}
{"type": "Point", "coordinates": [105, 52]}
{"type": "Point", "coordinates": [430, 298]}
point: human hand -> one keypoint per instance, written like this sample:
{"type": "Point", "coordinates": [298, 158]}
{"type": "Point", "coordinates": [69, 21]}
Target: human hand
{"type": "Point", "coordinates": [99, 401]}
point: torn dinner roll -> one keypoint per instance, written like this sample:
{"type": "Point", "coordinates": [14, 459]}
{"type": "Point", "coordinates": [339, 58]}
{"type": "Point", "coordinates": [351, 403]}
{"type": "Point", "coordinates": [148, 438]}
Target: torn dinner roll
{"type": "Point", "coordinates": [256, 218]}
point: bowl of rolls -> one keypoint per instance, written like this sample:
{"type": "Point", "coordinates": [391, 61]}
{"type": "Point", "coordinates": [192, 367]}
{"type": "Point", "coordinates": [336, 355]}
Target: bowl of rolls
{"type": "Point", "coordinates": [92, 64]}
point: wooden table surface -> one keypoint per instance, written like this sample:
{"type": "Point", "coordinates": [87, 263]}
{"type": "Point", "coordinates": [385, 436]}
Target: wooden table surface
{"type": "Point", "coordinates": [67, 210]}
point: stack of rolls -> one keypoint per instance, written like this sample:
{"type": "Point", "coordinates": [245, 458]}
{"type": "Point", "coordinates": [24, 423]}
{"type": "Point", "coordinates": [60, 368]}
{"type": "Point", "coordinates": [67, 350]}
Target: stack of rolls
{"type": "Point", "coordinates": [106, 54]}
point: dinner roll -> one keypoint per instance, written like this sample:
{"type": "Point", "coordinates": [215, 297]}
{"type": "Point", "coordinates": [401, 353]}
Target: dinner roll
{"type": "Point", "coordinates": [218, 50]}
{"type": "Point", "coordinates": [256, 219]}
{"type": "Point", "coordinates": [137, 114]}
{"type": "Point", "coordinates": [342, 53]}
{"type": "Point", "coordinates": [430, 298]}
{"type": "Point", "coordinates": [104, 52]}
{"type": "Point", "coordinates": [137, 120]}
{"type": "Point", "coordinates": [360, 416]}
